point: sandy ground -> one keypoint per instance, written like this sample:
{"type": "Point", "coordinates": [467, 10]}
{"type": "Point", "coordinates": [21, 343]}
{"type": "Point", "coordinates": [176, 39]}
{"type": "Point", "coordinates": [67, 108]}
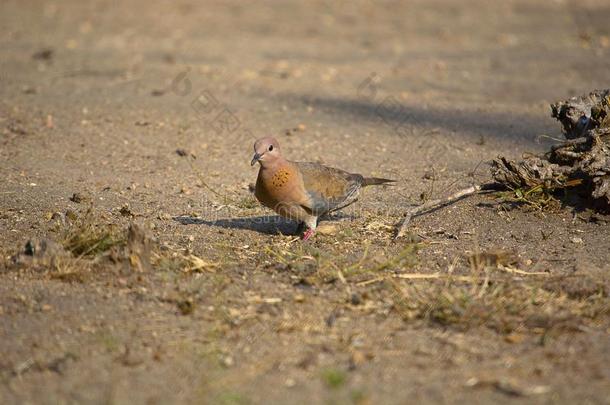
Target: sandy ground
{"type": "Point", "coordinates": [97, 97]}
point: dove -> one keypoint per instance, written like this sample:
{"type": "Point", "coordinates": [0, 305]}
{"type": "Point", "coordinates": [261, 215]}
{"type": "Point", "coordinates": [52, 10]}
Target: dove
{"type": "Point", "coordinates": [303, 191]}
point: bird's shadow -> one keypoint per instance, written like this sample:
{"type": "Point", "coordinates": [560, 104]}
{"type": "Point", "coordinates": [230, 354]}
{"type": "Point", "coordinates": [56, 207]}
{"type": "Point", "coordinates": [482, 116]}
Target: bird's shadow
{"type": "Point", "coordinates": [267, 224]}
{"type": "Point", "coordinates": [270, 225]}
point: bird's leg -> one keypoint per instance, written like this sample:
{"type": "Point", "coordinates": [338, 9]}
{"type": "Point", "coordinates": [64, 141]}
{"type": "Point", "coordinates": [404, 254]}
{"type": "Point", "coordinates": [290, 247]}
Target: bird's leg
{"type": "Point", "coordinates": [310, 222]}
{"type": "Point", "coordinates": [308, 234]}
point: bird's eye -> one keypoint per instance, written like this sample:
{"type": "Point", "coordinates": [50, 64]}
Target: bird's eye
{"type": "Point", "coordinates": [270, 148]}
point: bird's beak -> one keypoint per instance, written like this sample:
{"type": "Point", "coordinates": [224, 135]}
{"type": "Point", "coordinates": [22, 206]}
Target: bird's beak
{"type": "Point", "coordinates": [255, 159]}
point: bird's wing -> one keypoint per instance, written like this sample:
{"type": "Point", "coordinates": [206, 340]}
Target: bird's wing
{"type": "Point", "coordinates": [328, 188]}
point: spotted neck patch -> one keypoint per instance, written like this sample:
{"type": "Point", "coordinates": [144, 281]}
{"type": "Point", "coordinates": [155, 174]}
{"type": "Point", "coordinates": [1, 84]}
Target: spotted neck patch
{"type": "Point", "coordinates": [280, 178]}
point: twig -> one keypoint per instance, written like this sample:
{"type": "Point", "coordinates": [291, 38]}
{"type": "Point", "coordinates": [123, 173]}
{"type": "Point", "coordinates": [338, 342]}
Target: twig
{"type": "Point", "coordinates": [441, 202]}
{"type": "Point", "coordinates": [449, 277]}
{"type": "Point", "coordinates": [569, 142]}
{"type": "Point", "coordinates": [370, 281]}
{"type": "Point", "coordinates": [525, 273]}
{"type": "Point", "coordinates": [418, 276]}
{"type": "Point", "coordinates": [439, 276]}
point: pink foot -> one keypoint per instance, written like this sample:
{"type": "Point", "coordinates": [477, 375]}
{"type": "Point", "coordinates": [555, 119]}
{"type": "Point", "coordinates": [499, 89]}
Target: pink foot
{"type": "Point", "coordinates": [308, 234]}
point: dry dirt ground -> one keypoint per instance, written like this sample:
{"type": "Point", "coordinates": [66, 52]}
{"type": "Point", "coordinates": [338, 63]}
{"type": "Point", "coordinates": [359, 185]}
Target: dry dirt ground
{"type": "Point", "coordinates": [148, 111]}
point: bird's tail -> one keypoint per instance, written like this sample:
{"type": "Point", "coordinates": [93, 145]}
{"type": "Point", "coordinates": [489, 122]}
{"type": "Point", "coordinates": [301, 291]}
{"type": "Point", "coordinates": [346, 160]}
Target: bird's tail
{"type": "Point", "coordinates": [374, 181]}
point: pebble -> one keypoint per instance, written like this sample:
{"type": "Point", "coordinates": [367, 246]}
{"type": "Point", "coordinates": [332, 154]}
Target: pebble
{"type": "Point", "coordinates": [227, 361]}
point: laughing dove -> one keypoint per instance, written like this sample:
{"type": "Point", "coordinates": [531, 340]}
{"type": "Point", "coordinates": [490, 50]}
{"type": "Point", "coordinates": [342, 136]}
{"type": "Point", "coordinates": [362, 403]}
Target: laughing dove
{"type": "Point", "coordinates": [303, 191]}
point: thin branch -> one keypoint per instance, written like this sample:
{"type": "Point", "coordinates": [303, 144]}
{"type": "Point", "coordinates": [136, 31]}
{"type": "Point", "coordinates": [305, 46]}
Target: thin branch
{"type": "Point", "coordinates": [451, 277]}
{"type": "Point", "coordinates": [441, 202]}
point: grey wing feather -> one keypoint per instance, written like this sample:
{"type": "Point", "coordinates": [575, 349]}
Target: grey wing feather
{"type": "Point", "coordinates": [329, 189]}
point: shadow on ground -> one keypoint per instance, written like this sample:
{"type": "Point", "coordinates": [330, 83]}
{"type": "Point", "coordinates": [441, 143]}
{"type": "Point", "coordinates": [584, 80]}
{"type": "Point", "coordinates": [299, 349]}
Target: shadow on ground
{"type": "Point", "coordinates": [270, 225]}
{"type": "Point", "coordinates": [405, 119]}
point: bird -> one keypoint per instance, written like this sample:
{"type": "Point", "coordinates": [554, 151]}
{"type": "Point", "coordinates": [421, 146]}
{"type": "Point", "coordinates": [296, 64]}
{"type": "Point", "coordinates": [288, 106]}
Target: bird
{"type": "Point", "coordinates": [303, 191]}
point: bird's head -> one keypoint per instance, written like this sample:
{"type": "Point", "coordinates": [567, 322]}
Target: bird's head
{"type": "Point", "coordinates": [266, 151]}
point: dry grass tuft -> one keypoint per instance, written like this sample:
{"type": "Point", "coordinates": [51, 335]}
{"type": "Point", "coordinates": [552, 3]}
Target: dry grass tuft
{"type": "Point", "coordinates": [179, 261]}
{"type": "Point", "coordinates": [498, 295]}
{"type": "Point", "coordinates": [506, 304]}
{"type": "Point", "coordinates": [69, 269]}
{"type": "Point", "coordinates": [538, 197]}
{"type": "Point", "coordinates": [325, 266]}
{"type": "Point", "coordinates": [87, 237]}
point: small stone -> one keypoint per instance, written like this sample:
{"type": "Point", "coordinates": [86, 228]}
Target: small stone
{"type": "Point", "coordinates": [28, 90]}
{"type": "Point", "coordinates": [40, 252]}
{"type": "Point", "coordinates": [186, 307]}
{"type": "Point", "coordinates": [227, 361]}
{"type": "Point", "coordinates": [43, 54]}
{"type": "Point", "coordinates": [79, 198]}
{"type": "Point", "coordinates": [356, 359]}
{"type": "Point", "coordinates": [514, 337]}
{"type": "Point", "coordinates": [58, 216]}
{"type": "Point", "coordinates": [576, 240]}
{"type": "Point", "coordinates": [125, 211]}
{"type": "Point", "coordinates": [41, 247]}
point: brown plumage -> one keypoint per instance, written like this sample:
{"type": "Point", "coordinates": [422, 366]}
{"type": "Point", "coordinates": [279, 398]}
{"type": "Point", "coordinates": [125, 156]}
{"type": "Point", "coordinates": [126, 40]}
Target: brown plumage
{"type": "Point", "coordinates": [304, 191]}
